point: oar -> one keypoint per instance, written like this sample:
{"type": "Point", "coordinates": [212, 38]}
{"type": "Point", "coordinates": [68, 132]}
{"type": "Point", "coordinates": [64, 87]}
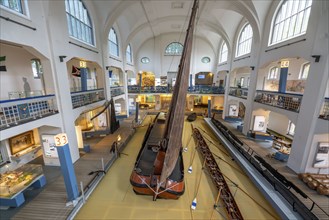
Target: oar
{"type": "Point", "coordinates": [216, 202]}
{"type": "Point", "coordinates": [194, 202]}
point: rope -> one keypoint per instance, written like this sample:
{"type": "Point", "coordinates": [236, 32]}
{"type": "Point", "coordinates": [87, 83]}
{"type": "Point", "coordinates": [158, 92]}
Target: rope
{"type": "Point", "coordinates": [249, 196]}
{"type": "Point", "coordinates": [216, 202]}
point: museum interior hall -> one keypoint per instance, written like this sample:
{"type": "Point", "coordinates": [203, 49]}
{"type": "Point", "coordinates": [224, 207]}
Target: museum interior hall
{"type": "Point", "coordinates": [164, 109]}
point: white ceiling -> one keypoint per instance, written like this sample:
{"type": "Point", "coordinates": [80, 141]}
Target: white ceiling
{"type": "Point", "coordinates": [138, 21]}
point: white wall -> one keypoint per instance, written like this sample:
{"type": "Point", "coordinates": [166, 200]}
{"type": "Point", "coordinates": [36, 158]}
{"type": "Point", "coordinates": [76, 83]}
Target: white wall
{"type": "Point", "coordinates": [278, 123]}
{"type": "Point", "coordinates": [11, 80]}
{"type": "Point", "coordinates": [160, 64]}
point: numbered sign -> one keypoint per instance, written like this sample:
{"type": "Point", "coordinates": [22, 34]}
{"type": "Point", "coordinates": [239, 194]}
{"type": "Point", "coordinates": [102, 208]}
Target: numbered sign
{"type": "Point", "coordinates": [83, 64]}
{"type": "Point", "coordinates": [284, 63]}
{"type": "Point", "coordinates": [60, 139]}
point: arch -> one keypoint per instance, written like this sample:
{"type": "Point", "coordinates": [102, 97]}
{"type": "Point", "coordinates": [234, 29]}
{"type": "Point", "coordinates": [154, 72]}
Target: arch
{"type": "Point", "coordinates": [79, 22]}
{"type": "Point", "coordinates": [113, 43]}
{"type": "Point", "coordinates": [174, 48]}
{"type": "Point", "coordinates": [244, 41]}
{"type": "Point", "coordinates": [290, 20]}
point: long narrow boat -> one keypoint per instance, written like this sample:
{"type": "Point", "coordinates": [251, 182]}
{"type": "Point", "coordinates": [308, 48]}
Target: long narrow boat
{"type": "Point", "coordinates": [232, 209]}
{"type": "Point", "coordinates": [159, 169]}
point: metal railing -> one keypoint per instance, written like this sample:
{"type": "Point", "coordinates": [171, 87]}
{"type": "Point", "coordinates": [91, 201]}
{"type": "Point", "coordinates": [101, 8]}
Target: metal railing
{"type": "Point", "coordinates": [238, 92]}
{"type": "Point", "coordinates": [286, 101]}
{"type": "Point", "coordinates": [168, 89]}
{"type": "Point", "coordinates": [87, 97]}
{"type": "Point", "coordinates": [117, 90]}
{"type": "Point", "coordinates": [17, 111]}
{"type": "Point", "coordinates": [324, 114]}
{"type": "Point", "coordinates": [22, 94]}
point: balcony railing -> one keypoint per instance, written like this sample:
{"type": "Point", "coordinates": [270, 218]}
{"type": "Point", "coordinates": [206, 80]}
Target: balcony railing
{"type": "Point", "coordinates": [167, 89]}
{"type": "Point", "coordinates": [22, 94]}
{"type": "Point", "coordinates": [324, 114]}
{"type": "Point", "coordinates": [286, 101]}
{"type": "Point", "coordinates": [17, 111]}
{"type": "Point", "coordinates": [116, 91]}
{"type": "Point", "coordinates": [239, 92]}
{"type": "Point", "coordinates": [83, 98]}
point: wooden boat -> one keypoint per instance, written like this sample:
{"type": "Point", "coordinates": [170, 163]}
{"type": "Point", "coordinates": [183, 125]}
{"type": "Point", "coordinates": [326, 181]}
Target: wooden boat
{"type": "Point", "coordinates": [149, 165]}
{"type": "Point", "coordinates": [192, 117]}
{"type": "Point", "coordinates": [159, 169]}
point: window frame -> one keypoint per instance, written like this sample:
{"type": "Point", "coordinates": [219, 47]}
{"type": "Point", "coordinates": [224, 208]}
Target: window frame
{"type": "Point", "coordinates": [205, 60]}
{"type": "Point", "coordinates": [179, 53]}
{"type": "Point", "coordinates": [289, 19]}
{"type": "Point", "coordinates": [114, 43]}
{"type": "Point", "coordinates": [24, 6]}
{"type": "Point", "coordinates": [302, 74]}
{"type": "Point", "coordinates": [77, 26]}
{"type": "Point", "coordinates": [289, 129]}
{"type": "Point", "coordinates": [276, 74]}
{"type": "Point", "coordinates": [145, 58]}
{"type": "Point", "coordinates": [244, 42]}
{"type": "Point", "coordinates": [129, 54]}
{"type": "Point", "coordinates": [38, 68]}
{"type": "Point", "coordinates": [222, 52]}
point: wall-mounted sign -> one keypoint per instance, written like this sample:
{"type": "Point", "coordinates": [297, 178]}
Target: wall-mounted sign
{"type": "Point", "coordinates": [259, 123]}
{"type": "Point", "coordinates": [48, 143]}
{"type": "Point", "coordinates": [233, 111]}
{"type": "Point", "coordinates": [83, 64]}
{"type": "Point", "coordinates": [322, 156]}
{"type": "Point", "coordinates": [284, 63]}
{"type": "Point", "coordinates": [60, 139]}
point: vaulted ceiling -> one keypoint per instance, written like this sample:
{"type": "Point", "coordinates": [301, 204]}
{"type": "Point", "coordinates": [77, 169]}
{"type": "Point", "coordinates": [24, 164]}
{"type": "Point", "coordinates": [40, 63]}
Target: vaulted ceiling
{"type": "Point", "coordinates": [138, 21]}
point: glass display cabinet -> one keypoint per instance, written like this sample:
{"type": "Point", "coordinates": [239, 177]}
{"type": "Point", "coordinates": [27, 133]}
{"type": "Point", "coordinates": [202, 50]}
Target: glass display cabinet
{"type": "Point", "coordinates": [14, 182]}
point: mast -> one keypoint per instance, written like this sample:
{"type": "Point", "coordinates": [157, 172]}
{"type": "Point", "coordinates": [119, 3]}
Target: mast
{"type": "Point", "coordinates": [175, 118]}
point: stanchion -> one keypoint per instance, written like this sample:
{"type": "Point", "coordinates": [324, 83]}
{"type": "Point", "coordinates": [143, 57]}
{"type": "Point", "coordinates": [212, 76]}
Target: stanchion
{"type": "Point", "coordinates": [82, 193]}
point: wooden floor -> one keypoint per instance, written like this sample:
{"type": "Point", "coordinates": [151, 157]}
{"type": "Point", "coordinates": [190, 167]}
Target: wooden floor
{"type": "Point", "coordinates": [51, 202]}
{"type": "Point", "coordinates": [114, 198]}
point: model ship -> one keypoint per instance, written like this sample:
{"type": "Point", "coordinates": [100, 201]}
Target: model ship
{"type": "Point", "coordinates": [159, 169]}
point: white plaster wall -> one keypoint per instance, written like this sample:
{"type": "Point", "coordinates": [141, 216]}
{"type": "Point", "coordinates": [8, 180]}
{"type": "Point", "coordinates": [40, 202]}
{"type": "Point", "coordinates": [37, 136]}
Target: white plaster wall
{"type": "Point", "coordinates": [260, 112]}
{"type": "Point", "coordinates": [314, 147]}
{"type": "Point", "coordinates": [159, 64]}
{"type": "Point", "coordinates": [11, 80]}
{"type": "Point", "coordinates": [278, 123]}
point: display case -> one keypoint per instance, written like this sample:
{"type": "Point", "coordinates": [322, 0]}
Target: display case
{"type": "Point", "coordinates": [14, 182]}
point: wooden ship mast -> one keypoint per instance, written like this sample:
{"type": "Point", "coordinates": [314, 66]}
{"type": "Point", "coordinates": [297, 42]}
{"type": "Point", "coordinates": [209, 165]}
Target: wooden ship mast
{"type": "Point", "coordinates": [159, 168]}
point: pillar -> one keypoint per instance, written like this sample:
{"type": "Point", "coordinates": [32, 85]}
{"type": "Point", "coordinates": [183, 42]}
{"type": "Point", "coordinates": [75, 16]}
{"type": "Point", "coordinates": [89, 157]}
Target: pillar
{"type": "Point", "coordinates": [283, 76]}
{"type": "Point", "coordinates": [68, 172]}
{"type": "Point", "coordinates": [209, 107]}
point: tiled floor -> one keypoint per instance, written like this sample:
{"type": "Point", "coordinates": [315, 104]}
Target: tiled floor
{"type": "Point", "coordinates": [115, 199]}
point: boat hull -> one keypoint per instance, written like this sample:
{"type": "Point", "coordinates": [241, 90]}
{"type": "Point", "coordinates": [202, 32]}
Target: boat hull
{"type": "Point", "coordinates": [146, 185]}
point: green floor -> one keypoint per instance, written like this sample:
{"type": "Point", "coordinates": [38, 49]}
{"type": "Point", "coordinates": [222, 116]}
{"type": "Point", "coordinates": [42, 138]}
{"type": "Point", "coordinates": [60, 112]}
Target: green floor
{"type": "Point", "coordinates": [115, 199]}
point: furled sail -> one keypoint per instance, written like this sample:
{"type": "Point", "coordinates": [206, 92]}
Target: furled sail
{"type": "Point", "coordinates": [175, 117]}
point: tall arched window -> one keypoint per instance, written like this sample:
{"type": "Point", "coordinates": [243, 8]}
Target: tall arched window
{"type": "Point", "coordinates": [113, 43]}
{"type": "Point", "coordinates": [129, 55]}
{"type": "Point", "coordinates": [223, 53]}
{"type": "Point", "coordinates": [304, 71]}
{"type": "Point", "coordinates": [78, 21]}
{"type": "Point", "coordinates": [290, 20]}
{"type": "Point", "coordinates": [174, 48]}
{"type": "Point", "coordinates": [15, 5]}
{"type": "Point", "coordinates": [244, 41]}
{"type": "Point", "coordinates": [273, 74]}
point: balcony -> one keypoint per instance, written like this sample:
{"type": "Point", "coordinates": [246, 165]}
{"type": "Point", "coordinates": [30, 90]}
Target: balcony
{"type": "Point", "coordinates": [238, 92]}
{"type": "Point", "coordinates": [116, 91]}
{"type": "Point", "coordinates": [18, 111]}
{"type": "Point", "coordinates": [324, 114]}
{"type": "Point", "coordinates": [286, 101]}
{"type": "Point", "coordinates": [83, 98]}
{"type": "Point", "coordinates": [166, 89]}
{"type": "Point", "coordinates": [22, 94]}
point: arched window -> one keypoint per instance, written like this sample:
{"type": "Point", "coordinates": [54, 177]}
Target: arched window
{"type": "Point", "coordinates": [273, 74]}
{"type": "Point", "coordinates": [78, 21]}
{"type": "Point", "coordinates": [129, 55]}
{"type": "Point", "coordinates": [304, 71]}
{"type": "Point", "coordinates": [290, 20]}
{"type": "Point", "coordinates": [244, 41]}
{"type": "Point", "coordinates": [15, 5]}
{"type": "Point", "coordinates": [113, 43]}
{"type": "Point", "coordinates": [174, 48]}
{"type": "Point", "coordinates": [223, 53]}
